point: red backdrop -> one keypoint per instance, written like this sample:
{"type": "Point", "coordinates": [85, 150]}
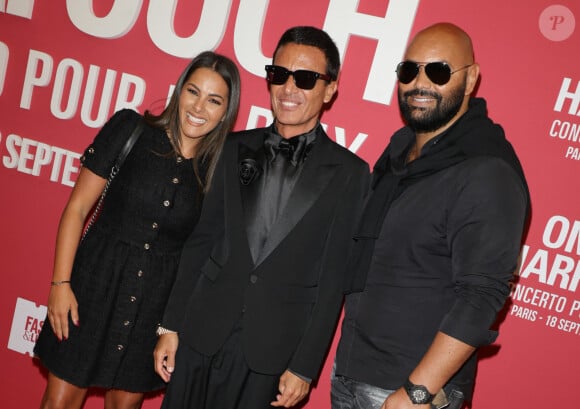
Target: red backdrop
{"type": "Point", "coordinates": [66, 66]}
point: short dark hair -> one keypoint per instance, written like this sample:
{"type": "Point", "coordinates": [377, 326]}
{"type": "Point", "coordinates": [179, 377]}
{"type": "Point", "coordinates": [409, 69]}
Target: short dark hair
{"type": "Point", "coordinates": [210, 147]}
{"type": "Point", "coordinates": [315, 37]}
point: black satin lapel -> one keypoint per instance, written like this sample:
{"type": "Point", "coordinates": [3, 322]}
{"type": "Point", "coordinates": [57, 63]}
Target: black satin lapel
{"type": "Point", "coordinates": [250, 188]}
{"type": "Point", "coordinates": [315, 176]}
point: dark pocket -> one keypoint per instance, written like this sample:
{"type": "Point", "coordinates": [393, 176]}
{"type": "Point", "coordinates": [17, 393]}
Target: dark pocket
{"type": "Point", "coordinates": [456, 399]}
{"type": "Point", "coordinates": [211, 269]}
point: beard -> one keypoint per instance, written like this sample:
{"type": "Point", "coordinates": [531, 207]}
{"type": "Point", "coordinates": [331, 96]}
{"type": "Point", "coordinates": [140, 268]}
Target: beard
{"type": "Point", "coordinates": [429, 120]}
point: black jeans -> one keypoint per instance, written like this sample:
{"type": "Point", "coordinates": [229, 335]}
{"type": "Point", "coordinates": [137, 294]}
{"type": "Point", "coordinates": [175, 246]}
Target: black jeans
{"type": "Point", "coordinates": [346, 393]}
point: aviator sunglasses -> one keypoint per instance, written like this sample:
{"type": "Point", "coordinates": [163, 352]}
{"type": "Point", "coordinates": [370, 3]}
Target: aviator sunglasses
{"type": "Point", "coordinates": [438, 72]}
{"type": "Point", "coordinates": [303, 79]}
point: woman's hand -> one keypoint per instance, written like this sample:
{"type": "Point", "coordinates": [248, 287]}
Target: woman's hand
{"type": "Point", "coordinates": [164, 355]}
{"type": "Point", "coordinates": [61, 302]}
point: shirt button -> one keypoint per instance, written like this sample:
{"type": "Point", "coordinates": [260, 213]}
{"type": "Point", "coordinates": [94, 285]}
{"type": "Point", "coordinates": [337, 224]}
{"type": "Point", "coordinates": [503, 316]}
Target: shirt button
{"type": "Point", "coordinates": [133, 298]}
{"type": "Point", "coordinates": [120, 347]}
{"type": "Point", "coordinates": [140, 273]}
{"type": "Point", "coordinates": [91, 150]}
{"type": "Point", "coordinates": [166, 203]}
{"type": "Point", "coordinates": [179, 159]}
{"type": "Point", "coordinates": [146, 246]}
{"type": "Point", "coordinates": [253, 278]}
{"type": "Point", "coordinates": [126, 323]}
{"type": "Point", "coordinates": [175, 181]}
{"type": "Point", "coordinates": [154, 226]}
{"type": "Point", "coordinates": [244, 308]}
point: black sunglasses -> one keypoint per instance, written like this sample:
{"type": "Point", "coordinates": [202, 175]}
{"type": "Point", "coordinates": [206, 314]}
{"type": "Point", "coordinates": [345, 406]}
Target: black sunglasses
{"type": "Point", "coordinates": [438, 72]}
{"type": "Point", "coordinates": [303, 79]}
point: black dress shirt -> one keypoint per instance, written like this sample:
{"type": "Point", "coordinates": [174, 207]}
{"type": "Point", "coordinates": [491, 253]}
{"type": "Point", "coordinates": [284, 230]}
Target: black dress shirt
{"type": "Point", "coordinates": [443, 253]}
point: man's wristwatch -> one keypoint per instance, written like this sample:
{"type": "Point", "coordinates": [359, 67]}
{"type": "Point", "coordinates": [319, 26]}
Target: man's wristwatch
{"type": "Point", "coordinates": [418, 394]}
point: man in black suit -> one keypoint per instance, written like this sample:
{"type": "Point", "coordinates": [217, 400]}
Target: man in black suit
{"type": "Point", "coordinates": [261, 280]}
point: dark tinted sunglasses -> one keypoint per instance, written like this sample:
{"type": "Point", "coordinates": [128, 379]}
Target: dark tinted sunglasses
{"type": "Point", "coordinates": [303, 79]}
{"type": "Point", "coordinates": [438, 72]}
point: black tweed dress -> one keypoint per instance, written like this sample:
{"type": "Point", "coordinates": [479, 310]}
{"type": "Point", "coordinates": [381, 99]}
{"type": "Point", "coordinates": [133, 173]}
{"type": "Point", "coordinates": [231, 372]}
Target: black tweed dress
{"type": "Point", "coordinates": [125, 267]}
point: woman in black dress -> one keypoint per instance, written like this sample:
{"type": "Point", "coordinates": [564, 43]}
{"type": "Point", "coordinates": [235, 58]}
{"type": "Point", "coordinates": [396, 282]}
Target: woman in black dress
{"type": "Point", "coordinates": [109, 289]}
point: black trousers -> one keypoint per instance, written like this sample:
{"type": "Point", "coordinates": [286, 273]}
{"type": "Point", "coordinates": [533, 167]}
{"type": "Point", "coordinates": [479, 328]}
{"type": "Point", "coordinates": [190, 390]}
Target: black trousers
{"type": "Point", "coordinates": [221, 381]}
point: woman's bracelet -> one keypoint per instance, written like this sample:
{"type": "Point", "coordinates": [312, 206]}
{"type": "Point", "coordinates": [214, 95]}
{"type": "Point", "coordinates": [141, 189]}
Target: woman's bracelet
{"type": "Point", "coordinates": [53, 283]}
{"type": "Point", "coordinates": [162, 331]}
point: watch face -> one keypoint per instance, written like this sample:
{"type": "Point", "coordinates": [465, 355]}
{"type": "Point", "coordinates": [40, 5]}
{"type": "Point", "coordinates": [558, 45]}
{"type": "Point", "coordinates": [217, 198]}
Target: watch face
{"type": "Point", "coordinates": [420, 396]}
{"type": "Point", "coordinates": [418, 393]}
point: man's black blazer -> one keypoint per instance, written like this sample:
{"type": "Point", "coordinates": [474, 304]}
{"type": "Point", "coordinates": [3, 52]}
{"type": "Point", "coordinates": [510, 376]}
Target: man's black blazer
{"type": "Point", "coordinates": [289, 299]}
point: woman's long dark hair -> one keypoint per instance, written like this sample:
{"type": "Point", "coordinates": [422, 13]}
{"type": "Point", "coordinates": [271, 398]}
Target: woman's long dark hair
{"type": "Point", "coordinates": [209, 148]}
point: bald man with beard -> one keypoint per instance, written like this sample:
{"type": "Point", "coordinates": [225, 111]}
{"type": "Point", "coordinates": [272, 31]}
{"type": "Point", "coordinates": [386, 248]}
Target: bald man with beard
{"type": "Point", "coordinates": [438, 241]}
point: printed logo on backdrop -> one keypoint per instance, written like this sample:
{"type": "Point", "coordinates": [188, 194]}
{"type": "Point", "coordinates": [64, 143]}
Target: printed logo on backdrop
{"type": "Point", "coordinates": [551, 268]}
{"type": "Point", "coordinates": [26, 325]}
{"type": "Point", "coordinates": [37, 158]}
{"type": "Point", "coordinates": [566, 129]}
{"type": "Point", "coordinates": [557, 23]}
{"type": "Point", "coordinates": [20, 8]}
{"type": "Point", "coordinates": [342, 20]}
